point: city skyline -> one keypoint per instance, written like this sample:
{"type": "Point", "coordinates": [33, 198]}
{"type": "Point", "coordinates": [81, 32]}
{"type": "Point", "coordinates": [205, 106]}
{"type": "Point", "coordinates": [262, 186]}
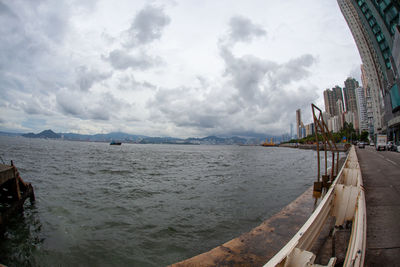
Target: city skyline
{"type": "Point", "coordinates": [160, 69]}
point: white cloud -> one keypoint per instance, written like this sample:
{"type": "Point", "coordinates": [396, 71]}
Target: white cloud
{"type": "Point", "coordinates": [176, 69]}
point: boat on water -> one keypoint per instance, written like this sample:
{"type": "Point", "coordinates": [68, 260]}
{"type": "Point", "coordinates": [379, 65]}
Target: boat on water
{"type": "Point", "coordinates": [114, 143]}
{"type": "Point", "coordinates": [268, 143]}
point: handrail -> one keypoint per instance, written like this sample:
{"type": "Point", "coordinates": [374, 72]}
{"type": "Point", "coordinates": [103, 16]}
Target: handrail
{"type": "Point", "coordinates": [295, 253]}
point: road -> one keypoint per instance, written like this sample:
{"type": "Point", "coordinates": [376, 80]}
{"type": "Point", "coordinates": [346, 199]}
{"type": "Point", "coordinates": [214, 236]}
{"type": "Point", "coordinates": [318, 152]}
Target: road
{"type": "Point", "coordinates": [381, 176]}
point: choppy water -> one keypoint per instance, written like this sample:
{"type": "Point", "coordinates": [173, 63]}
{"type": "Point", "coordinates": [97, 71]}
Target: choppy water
{"type": "Point", "coordinates": [143, 205]}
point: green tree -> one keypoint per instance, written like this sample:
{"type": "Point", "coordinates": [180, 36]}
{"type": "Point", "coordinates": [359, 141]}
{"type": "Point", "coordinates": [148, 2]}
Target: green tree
{"type": "Point", "coordinates": [364, 136]}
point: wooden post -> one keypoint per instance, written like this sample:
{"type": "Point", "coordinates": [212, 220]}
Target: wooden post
{"type": "Point", "coordinates": [326, 159]}
{"type": "Point", "coordinates": [17, 192]}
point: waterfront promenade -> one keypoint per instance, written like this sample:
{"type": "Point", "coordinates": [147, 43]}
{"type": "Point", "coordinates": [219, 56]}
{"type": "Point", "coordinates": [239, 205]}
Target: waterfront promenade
{"type": "Point", "coordinates": [381, 176]}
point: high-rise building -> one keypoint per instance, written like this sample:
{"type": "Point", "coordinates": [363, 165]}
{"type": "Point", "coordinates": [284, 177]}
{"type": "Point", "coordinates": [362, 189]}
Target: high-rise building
{"type": "Point", "coordinates": [350, 97]}
{"type": "Point", "coordinates": [375, 27]}
{"type": "Point", "coordinates": [310, 130]}
{"type": "Point", "coordinates": [370, 113]}
{"type": "Point", "coordinates": [364, 80]}
{"type": "Point", "coordinates": [349, 90]}
{"type": "Point", "coordinates": [362, 110]}
{"type": "Point", "coordinates": [340, 111]}
{"type": "Point", "coordinates": [330, 98]}
{"type": "Point", "coordinates": [349, 117]}
{"type": "Point", "coordinates": [338, 96]}
{"type": "Point", "coordinates": [298, 123]}
{"type": "Point", "coordinates": [368, 56]}
{"type": "Point", "coordinates": [329, 101]}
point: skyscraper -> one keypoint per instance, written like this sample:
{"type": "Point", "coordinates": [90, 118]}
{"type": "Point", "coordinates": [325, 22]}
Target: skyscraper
{"type": "Point", "coordinates": [350, 97]}
{"type": "Point", "coordinates": [368, 56]}
{"type": "Point", "coordinates": [330, 98]}
{"type": "Point", "coordinates": [349, 89]}
{"type": "Point", "coordinates": [338, 96]}
{"type": "Point", "coordinates": [298, 123]}
{"type": "Point", "coordinates": [375, 27]}
{"type": "Point", "coordinates": [370, 113]}
{"type": "Point", "coordinates": [362, 110]}
{"type": "Point", "coordinates": [364, 80]}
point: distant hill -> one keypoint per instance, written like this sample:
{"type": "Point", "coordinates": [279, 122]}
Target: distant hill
{"type": "Point", "coordinates": [45, 134]}
{"type": "Point", "coordinates": [116, 136]}
{"type": "Point", "coordinates": [241, 139]}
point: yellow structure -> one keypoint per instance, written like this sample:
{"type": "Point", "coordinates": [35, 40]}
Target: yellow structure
{"type": "Point", "coordinates": [270, 143]}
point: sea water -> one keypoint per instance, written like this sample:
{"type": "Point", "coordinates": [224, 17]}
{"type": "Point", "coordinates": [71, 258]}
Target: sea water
{"type": "Point", "coordinates": [143, 205]}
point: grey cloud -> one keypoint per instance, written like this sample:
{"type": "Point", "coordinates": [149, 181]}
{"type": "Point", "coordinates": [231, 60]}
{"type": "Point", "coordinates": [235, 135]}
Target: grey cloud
{"type": "Point", "coordinates": [70, 104]}
{"type": "Point", "coordinates": [5, 10]}
{"type": "Point", "coordinates": [87, 105]}
{"type": "Point", "coordinates": [46, 20]}
{"type": "Point", "coordinates": [247, 74]}
{"type": "Point", "coordinates": [113, 106]}
{"type": "Point", "coordinates": [355, 72]}
{"type": "Point", "coordinates": [255, 79]}
{"type": "Point", "coordinates": [121, 60]}
{"type": "Point", "coordinates": [29, 44]}
{"type": "Point", "coordinates": [294, 70]}
{"type": "Point", "coordinates": [87, 77]}
{"type": "Point", "coordinates": [244, 30]}
{"type": "Point", "coordinates": [36, 106]}
{"type": "Point", "coordinates": [181, 107]}
{"type": "Point", "coordinates": [99, 113]}
{"type": "Point", "coordinates": [128, 82]}
{"type": "Point", "coordinates": [147, 26]}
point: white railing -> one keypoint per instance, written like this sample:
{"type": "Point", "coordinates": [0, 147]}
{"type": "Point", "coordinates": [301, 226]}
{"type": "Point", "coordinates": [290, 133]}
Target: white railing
{"type": "Point", "coordinates": [345, 201]}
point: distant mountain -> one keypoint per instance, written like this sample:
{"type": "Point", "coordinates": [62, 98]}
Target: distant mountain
{"type": "Point", "coordinates": [243, 139]}
{"type": "Point", "coordinates": [116, 136]}
{"type": "Point", "coordinates": [45, 134]}
{"type": "Point", "coordinates": [161, 140]}
{"type": "Point", "coordinates": [215, 140]}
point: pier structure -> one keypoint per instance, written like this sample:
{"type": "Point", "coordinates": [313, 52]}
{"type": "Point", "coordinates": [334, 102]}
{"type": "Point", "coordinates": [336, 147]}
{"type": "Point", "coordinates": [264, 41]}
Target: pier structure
{"type": "Point", "coordinates": [13, 192]}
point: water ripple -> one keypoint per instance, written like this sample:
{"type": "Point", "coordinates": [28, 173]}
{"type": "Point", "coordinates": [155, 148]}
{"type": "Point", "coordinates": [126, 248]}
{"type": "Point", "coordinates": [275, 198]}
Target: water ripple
{"type": "Point", "coordinates": [143, 205]}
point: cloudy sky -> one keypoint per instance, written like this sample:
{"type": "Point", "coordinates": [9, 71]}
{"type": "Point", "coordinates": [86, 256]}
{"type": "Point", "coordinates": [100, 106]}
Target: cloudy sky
{"type": "Point", "coordinates": [169, 68]}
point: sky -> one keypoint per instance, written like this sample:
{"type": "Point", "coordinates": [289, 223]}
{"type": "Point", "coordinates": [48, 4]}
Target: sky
{"type": "Point", "coordinates": [169, 68]}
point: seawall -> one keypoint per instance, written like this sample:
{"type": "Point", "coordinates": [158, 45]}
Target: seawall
{"type": "Point", "coordinates": [260, 244]}
{"type": "Point", "coordinates": [256, 247]}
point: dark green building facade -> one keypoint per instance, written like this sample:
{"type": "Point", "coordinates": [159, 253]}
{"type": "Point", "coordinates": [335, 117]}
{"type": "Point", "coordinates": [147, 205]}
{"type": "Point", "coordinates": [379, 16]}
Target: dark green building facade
{"type": "Point", "coordinates": [380, 20]}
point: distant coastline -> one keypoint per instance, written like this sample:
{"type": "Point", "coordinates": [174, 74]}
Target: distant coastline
{"type": "Point", "coordinates": [142, 139]}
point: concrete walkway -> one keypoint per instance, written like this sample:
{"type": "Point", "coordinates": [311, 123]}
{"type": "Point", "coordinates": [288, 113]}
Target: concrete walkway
{"type": "Point", "coordinates": [381, 176]}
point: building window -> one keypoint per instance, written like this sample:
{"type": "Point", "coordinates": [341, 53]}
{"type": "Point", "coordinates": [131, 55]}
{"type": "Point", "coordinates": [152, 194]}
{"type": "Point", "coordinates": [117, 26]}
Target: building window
{"type": "Point", "coordinates": [391, 14]}
{"type": "Point", "coordinates": [383, 46]}
{"type": "Point", "coordinates": [393, 28]}
{"type": "Point", "coordinates": [386, 55]}
{"type": "Point", "coordinates": [380, 37]}
{"type": "Point", "coordinates": [382, 6]}
{"type": "Point", "coordinates": [368, 14]}
{"type": "Point", "coordinates": [364, 8]}
{"type": "Point", "coordinates": [372, 21]}
{"type": "Point", "coordinates": [376, 29]}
